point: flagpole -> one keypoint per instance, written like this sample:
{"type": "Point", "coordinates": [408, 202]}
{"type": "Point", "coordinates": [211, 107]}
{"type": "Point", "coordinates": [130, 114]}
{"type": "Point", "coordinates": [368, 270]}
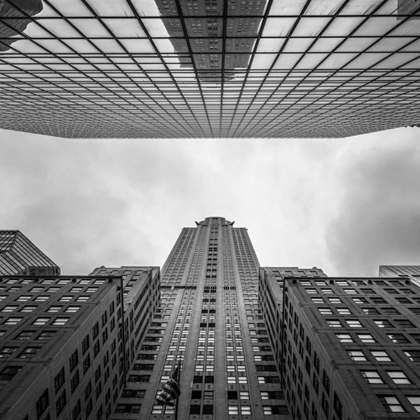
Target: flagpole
{"type": "Point", "coordinates": [179, 382]}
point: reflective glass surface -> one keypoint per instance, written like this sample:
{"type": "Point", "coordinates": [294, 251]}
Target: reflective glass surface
{"type": "Point", "coordinates": [208, 68]}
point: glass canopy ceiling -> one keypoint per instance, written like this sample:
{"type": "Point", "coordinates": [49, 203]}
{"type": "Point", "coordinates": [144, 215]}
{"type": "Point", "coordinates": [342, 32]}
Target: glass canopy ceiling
{"type": "Point", "coordinates": [209, 68]}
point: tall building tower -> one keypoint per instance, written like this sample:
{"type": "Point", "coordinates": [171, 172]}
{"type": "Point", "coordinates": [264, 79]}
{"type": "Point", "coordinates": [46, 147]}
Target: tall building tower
{"type": "Point", "coordinates": [210, 319]}
{"type": "Point", "coordinates": [19, 256]}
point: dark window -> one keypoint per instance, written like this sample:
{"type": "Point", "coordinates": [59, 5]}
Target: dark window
{"type": "Point", "coordinates": [76, 410]}
{"type": "Point", "coordinates": [196, 395]}
{"type": "Point", "coordinates": [207, 409]}
{"type": "Point", "coordinates": [86, 363]}
{"type": "Point", "coordinates": [74, 381]}
{"type": "Point", "coordinates": [198, 379]}
{"type": "Point", "coordinates": [85, 344]}
{"type": "Point", "coordinates": [42, 404]}
{"type": "Point", "coordinates": [88, 390]}
{"type": "Point", "coordinates": [232, 395]}
{"type": "Point", "coordinates": [137, 393]}
{"type": "Point", "coordinates": [338, 407]}
{"type": "Point", "coordinates": [59, 380]}
{"type": "Point", "coordinates": [95, 330]}
{"type": "Point", "coordinates": [209, 379]}
{"type": "Point", "coordinates": [74, 359]}
{"type": "Point", "coordinates": [8, 373]}
{"type": "Point", "coordinates": [61, 402]}
{"type": "Point", "coordinates": [96, 348]}
{"type": "Point", "coordinates": [195, 409]}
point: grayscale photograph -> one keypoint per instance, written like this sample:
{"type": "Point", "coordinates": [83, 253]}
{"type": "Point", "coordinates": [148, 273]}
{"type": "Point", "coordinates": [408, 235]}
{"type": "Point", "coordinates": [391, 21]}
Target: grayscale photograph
{"type": "Point", "coordinates": [209, 209]}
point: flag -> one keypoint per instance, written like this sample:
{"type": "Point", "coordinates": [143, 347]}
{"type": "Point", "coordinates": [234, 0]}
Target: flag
{"type": "Point", "coordinates": [171, 390]}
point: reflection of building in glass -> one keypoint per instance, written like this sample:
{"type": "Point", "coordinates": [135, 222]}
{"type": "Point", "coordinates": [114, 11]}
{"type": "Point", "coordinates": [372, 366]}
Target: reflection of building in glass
{"type": "Point", "coordinates": [19, 256]}
{"type": "Point", "coordinates": [13, 19]}
{"type": "Point", "coordinates": [407, 7]}
{"type": "Point", "coordinates": [348, 348]}
{"type": "Point", "coordinates": [206, 33]}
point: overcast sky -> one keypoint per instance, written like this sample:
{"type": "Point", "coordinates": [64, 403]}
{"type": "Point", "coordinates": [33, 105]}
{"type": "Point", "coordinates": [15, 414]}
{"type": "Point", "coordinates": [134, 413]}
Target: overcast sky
{"type": "Point", "coordinates": [344, 205]}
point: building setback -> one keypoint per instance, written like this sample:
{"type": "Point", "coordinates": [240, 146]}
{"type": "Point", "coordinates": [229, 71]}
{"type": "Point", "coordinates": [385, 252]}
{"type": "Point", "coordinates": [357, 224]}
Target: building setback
{"type": "Point", "coordinates": [19, 256]}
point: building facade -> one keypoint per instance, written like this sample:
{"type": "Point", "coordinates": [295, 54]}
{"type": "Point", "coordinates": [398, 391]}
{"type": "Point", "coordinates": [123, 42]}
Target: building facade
{"type": "Point", "coordinates": [349, 348]}
{"type": "Point", "coordinates": [139, 69]}
{"type": "Point", "coordinates": [210, 319]}
{"type": "Point", "coordinates": [67, 343]}
{"type": "Point", "coordinates": [19, 256]}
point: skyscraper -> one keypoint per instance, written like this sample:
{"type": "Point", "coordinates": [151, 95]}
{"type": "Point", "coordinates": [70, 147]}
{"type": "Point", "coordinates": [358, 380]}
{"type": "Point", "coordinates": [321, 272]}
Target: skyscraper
{"type": "Point", "coordinates": [19, 256]}
{"type": "Point", "coordinates": [274, 343]}
{"type": "Point", "coordinates": [209, 318]}
{"type": "Point", "coordinates": [331, 68]}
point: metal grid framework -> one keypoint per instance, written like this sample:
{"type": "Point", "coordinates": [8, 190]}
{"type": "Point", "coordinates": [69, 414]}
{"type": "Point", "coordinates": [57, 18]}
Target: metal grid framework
{"type": "Point", "coordinates": [314, 68]}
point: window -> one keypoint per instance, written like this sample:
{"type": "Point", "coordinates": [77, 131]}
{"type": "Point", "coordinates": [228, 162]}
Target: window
{"type": "Point", "coordinates": [391, 404]}
{"type": "Point", "coordinates": [372, 376]}
{"type": "Point", "coordinates": [325, 311]}
{"type": "Point", "coordinates": [59, 380]}
{"type": "Point", "coordinates": [334, 323]}
{"type": "Point", "coordinates": [233, 410]}
{"type": "Point", "coordinates": [9, 308]}
{"type": "Point", "coordinates": [404, 323]}
{"type": "Point", "coordinates": [74, 381]}
{"type": "Point", "coordinates": [383, 323]}
{"type": "Point", "coordinates": [66, 298]}
{"type": "Point", "coordinates": [72, 309]}
{"type": "Point", "coordinates": [40, 321]}
{"type": "Point", "coordinates": [360, 300]}
{"type": "Point", "coordinates": [42, 298]}
{"type": "Point", "coordinates": [28, 308]}
{"type": "Point", "coordinates": [398, 377]}
{"type": "Point", "coordinates": [354, 323]}
{"type": "Point", "coordinates": [54, 308]}
{"type": "Point", "coordinates": [344, 311]}
{"type": "Point", "coordinates": [415, 401]}
{"type": "Point", "coordinates": [8, 373]}
{"type": "Point", "coordinates": [46, 335]}
{"type": "Point", "coordinates": [344, 338]}
{"type": "Point", "coordinates": [381, 356]}
{"type": "Point", "coordinates": [366, 338]}
{"type": "Point", "coordinates": [7, 351]}
{"type": "Point", "coordinates": [413, 355]}
{"type": "Point", "coordinates": [397, 338]}
{"type": "Point", "coordinates": [74, 360]}
{"type": "Point", "coordinates": [28, 352]}
{"type": "Point", "coordinates": [60, 321]}
{"type": "Point", "coordinates": [24, 335]}
{"type": "Point", "coordinates": [85, 344]}
{"type": "Point", "coordinates": [370, 311]}
{"type": "Point", "coordinates": [42, 404]}
{"type": "Point", "coordinates": [357, 356]}
{"type": "Point", "coordinates": [61, 402]}
{"type": "Point", "coordinates": [13, 321]}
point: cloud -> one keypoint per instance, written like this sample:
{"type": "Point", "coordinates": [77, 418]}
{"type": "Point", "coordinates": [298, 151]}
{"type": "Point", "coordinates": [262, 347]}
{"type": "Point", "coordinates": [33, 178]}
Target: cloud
{"type": "Point", "coordinates": [378, 217]}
